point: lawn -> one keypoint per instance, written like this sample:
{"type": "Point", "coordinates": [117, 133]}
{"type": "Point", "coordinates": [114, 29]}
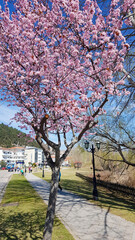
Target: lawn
{"type": "Point", "coordinates": [121, 205]}
{"type": "Point", "coordinates": [22, 214]}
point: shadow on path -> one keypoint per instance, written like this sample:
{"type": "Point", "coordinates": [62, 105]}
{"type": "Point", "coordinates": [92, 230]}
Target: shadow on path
{"type": "Point", "coordinates": [86, 220]}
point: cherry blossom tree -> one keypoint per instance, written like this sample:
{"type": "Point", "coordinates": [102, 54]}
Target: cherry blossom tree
{"type": "Point", "coordinates": [57, 61]}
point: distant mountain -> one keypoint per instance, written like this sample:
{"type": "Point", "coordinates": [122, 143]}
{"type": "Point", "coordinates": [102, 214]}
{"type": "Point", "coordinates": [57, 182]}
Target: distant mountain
{"type": "Point", "coordinates": [11, 137]}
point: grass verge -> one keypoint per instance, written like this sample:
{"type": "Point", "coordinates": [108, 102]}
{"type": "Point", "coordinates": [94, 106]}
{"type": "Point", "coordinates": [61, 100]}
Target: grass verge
{"type": "Point", "coordinates": [116, 203]}
{"type": "Point", "coordinates": [22, 214]}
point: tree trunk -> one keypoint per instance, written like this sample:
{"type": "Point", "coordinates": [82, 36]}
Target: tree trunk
{"type": "Point", "coordinates": [47, 235]}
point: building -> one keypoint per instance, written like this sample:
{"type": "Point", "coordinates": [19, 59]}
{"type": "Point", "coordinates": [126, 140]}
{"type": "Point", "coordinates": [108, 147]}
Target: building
{"type": "Point", "coordinates": [26, 156]}
{"type": "Point", "coordinates": [20, 156]}
{"type": "Point", "coordinates": [34, 155]}
{"type": "Point", "coordinates": [14, 156]}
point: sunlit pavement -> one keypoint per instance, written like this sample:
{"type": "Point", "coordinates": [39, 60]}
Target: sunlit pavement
{"type": "Point", "coordinates": [83, 219]}
{"type": "Point", "coordinates": [4, 179]}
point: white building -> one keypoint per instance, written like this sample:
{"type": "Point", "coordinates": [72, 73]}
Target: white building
{"type": "Point", "coordinates": [14, 156]}
{"type": "Point", "coordinates": [34, 155]}
{"type": "Point", "coordinates": [20, 156]}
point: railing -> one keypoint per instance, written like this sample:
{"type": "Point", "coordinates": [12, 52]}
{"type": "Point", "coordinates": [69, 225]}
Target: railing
{"type": "Point", "coordinates": [113, 186]}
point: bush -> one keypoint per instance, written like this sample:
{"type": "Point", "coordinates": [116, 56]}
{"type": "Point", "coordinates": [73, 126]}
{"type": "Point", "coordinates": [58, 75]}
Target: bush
{"type": "Point", "coordinates": [34, 165]}
{"type": "Point", "coordinates": [77, 165]}
{"type": "Point", "coordinates": [3, 164]}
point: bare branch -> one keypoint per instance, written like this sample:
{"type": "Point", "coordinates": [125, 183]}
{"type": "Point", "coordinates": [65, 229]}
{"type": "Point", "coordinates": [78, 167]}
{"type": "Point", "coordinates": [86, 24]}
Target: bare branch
{"type": "Point", "coordinates": [65, 139]}
{"type": "Point", "coordinates": [58, 135]}
{"type": "Point", "coordinates": [107, 160]}
{"type": "Point", "coordinates": [131, 138]}
{"type": "Point", "coordinates": [72, 129]}
{"type": "Point", "coordinates": [45, 149]}
{"type": "Point", "coordinates": [124, 159]}
{"type": "Point", "coordinates": [42, 131]}
{"type": "Point", "coordinates": [128, 77]}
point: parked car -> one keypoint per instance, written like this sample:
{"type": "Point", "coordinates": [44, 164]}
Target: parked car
{"type": "Point", "coordinates": [10, 169]}
{"type": "Point", "coordinates": [4, 168]}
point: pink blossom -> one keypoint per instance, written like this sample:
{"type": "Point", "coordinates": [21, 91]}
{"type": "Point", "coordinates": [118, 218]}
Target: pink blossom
{"type": "Point", "coordinates": [22, 93]}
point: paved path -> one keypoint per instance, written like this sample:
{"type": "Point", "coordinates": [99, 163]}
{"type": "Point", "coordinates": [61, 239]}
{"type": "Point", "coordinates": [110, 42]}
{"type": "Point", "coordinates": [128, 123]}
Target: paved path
{"type": "Point", "coordinates": [83, 219]}
{"type": "Point", "coordinates": [4, 179]}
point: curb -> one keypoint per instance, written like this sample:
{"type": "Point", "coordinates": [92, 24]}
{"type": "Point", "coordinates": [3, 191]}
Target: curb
{"type": "Point", "coordinates": [4, 189]}
{"type": "Point", "coordinates": [133, 237]}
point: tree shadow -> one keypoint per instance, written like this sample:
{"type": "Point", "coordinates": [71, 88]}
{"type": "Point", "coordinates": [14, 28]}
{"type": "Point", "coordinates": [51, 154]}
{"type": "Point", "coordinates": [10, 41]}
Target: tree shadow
{"type": "Point", "coordinates": [107, 198]}
{"type": "Point", "coordinates": [20, 225]}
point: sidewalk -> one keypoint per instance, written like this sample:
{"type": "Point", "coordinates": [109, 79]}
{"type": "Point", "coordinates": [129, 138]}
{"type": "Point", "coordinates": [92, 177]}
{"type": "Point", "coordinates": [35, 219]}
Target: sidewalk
{"type": "Point", "coordinates": [4, 180]}
{"type": "Point", "coordinates": [83, 219]}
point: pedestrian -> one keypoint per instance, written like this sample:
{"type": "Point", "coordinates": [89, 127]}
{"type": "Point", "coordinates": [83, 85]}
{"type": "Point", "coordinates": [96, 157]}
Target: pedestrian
{"type": "Point", "coordinates": [22, 172]}
{"type": "Point", "coordinates": [59, 186]}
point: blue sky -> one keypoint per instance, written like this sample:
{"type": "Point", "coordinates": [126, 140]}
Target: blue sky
{"type": "Point", "coordinates": [11, 6]}
{"type": "Point", "coordinates": [6, 113]}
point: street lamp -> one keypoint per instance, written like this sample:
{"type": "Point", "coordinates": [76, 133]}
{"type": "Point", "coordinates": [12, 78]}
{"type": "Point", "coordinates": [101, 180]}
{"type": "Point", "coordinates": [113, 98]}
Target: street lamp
{"type": "Point", "coordinates": [43, 174]}
{"type": "Point", "coordinates": [92, 149]}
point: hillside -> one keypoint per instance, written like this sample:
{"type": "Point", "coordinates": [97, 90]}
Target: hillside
{"type": "Point", "coordinates": [9, 137]}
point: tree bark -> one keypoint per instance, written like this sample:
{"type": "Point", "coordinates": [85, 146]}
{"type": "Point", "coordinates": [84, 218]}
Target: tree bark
{"type": "Point", "coordinates": [47, 235]}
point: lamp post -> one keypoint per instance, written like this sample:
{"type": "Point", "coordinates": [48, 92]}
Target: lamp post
{"type": "Point", "coordinates": [92, 150]}
{"type": "Point", "coordinates": [43, 174]}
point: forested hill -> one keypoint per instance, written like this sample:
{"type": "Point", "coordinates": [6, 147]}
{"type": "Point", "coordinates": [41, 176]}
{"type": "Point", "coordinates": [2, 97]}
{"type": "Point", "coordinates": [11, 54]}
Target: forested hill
{"type": "Point", "coordinates": [11, 137]}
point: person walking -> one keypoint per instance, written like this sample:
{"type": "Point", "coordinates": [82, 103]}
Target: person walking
{"type": "Point", "coordinates": [22, 173]}
{"type": "Point", "coordinates": [59, 186]}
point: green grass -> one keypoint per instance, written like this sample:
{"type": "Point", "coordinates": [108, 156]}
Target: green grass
{"type": "Point", "coordinates": [118, 204]}
{"type": "Point", "coordinates": [24, 220]}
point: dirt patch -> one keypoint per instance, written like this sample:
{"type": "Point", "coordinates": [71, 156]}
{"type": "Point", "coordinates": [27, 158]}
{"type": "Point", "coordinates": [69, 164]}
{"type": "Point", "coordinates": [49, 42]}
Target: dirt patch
{"type": "Point", "coordinates": [9, 204]}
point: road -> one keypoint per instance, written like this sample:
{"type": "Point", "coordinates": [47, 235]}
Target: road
{"type": "Point", "coordinates": [4, 179]}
